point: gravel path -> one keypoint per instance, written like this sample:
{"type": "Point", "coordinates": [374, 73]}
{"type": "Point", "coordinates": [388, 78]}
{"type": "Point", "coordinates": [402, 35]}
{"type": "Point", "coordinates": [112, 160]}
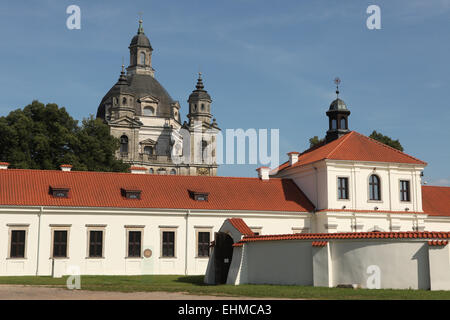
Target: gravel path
{"type": "Point", "coordinates": [21, 292]}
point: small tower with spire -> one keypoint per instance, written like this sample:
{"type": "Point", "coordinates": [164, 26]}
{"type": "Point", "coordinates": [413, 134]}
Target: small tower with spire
{"type": "Point", "coordinates": [337, 117]}
{"type": "Point", "coordinates": [140, 53]}
{"type": "Point", "coordinates": [199, 103]}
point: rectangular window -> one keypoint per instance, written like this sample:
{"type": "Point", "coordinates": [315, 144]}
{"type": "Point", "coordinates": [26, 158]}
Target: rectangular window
{"type": "Point", "coordinates": [343, 188]}
{"type": "Point", "coordinates": [134, 243]}
{"type": "Point", "coordinates": [404, 190]}
{"type": "Point", "coordinates": [60, 243]}
{"type": "Point", "coordinates": [17, 244]}
{"type": "Point", "coordinates": [96, 244]}
{"type": "Point", "coordinates": [168, 244]}
{"type": "Point", "coordinates": [203, 243]}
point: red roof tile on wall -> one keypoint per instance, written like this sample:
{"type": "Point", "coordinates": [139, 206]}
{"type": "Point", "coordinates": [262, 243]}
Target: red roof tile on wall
{"type": "Point", "coordinates": [103, 189]}
{"type": "Point", "coordinates": [356, 147]}
{"type": "Point", "coordinates": [241, 226]}
{"type": "Point", "coordinates": [437, 242]}
{"type": "Point", "coordinates": [349, 235]}
{"type": "Point", "coordinates": [436, 200]}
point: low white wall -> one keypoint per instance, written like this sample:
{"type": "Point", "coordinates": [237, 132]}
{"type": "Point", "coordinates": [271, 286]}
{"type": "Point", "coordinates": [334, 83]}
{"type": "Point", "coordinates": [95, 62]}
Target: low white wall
{"type": "Point", "coordinates": [402, 264]}
{"type": "Point", "coordinates": [439, 267]}
{"type": "Point", "coordinates": [321, 266]}
{"type": "Point", "coordinates": [279, 262]}
{"type": "Point", "coordinates": [398, 264]}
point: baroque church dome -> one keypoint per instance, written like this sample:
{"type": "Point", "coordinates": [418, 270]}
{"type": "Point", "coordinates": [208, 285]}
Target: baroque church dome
{"type": "Point", "coordinates": [139, 81]}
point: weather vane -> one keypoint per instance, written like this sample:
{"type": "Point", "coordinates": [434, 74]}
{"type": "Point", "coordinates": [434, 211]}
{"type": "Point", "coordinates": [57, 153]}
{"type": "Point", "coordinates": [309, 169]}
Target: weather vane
{"type": "Point", "coordinates": [140, 13]}
{"type": "Point", "coordinates": [337, 82]}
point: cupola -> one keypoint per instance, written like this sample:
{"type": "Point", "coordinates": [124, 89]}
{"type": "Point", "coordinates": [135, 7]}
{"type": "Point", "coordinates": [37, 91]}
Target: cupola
{"type": "Point", "coordinates": [337, 117]}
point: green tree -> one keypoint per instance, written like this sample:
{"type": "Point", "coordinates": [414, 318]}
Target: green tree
{"type": "Point", "coordinates": [95, 148]}
{"type": "Point", "coordinates": [386, 140]}
{"type": "Point", "coordinates": [315, 141]}
{"type": "Point", "coordinates": [46, 136]}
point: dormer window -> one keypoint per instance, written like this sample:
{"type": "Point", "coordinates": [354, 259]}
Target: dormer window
{"type": "Point", "coordinates": [59, 191]}
{"type": "Point", "coordinates": [199, 195]}
{"type": "Point", "coordinates": [131, 193]}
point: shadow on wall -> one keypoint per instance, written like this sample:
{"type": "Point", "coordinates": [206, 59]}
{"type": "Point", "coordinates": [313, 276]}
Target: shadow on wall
{"type": "Point", "coordinates": [163, 145]}
{"type": "Point", "coordinates": [423, 268]}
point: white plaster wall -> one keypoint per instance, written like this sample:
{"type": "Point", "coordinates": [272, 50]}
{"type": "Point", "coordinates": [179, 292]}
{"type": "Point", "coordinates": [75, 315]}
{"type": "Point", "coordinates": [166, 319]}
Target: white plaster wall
{"type": "Point", "coordinates": [439, 267]}
{"type": "Point", "coordinates": [322, 272]}
{"type": "Point", "coordinates": [279, 262]}
{"type": "Point", "coordinates": [403, 265]}
{"type": "Point", "coordinates": [115, 261]}
{"type": "Point", "coordinates": [437, 223]}
{"type": "Point", "coordinates": [390, 176]}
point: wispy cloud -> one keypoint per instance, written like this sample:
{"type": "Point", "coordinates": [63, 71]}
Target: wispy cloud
{"type": "Point", "coordinates": [441, 182]}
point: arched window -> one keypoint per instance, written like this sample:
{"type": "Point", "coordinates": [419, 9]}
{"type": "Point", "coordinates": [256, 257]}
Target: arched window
{"type": "Point", "coordinates": [151, 171]}
{"type": "Point", "coordinates": [343, 124]}
{"type": "Point", "coordinates": [204, 146]}
{"type": "Point", "coordinates": [124, 101]}
{"type": "Point", "coordinates": [149, 111]}
{"type": "Point", "coordinates": [203, 107]}
{"type": "Point", "coordinates": [334, 124]}
{"type": "Point", "coordinates": [173, 171]}
{"type": "Point", "coordinates": [148, 150]}
{"type": "Point", "coordinates": [374, 187]}
{"type": "Point", "coordinates": [142, 58]}
{"type": "Point", "coordinates": [123, 144]}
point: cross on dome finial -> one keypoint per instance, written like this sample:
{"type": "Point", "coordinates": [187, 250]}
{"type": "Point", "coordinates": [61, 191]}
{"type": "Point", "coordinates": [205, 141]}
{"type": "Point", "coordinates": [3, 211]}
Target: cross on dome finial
{"type": "Point", "coordinates": [337, 82]}
{"type": "Point", "coordinates": [200, 85]}
{"type": "Point", "coordinates": [141, 28]}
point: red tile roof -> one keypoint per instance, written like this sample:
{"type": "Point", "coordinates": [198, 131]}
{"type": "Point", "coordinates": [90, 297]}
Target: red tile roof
{"type": "Point", "coordinates": [241, 226]}
{"type": "Point", "coordinates": [103, 189]}
{"type": "Point", "coordinates": [352, 146]}
{"type": "Point", "coordinates": [436, 200]}
{"type": "Point", "coordinates": [319, 243]}
{"type": "Point", "coordinates": [437, 242]}
{"type": "Point", "coordinates": [348, 235]}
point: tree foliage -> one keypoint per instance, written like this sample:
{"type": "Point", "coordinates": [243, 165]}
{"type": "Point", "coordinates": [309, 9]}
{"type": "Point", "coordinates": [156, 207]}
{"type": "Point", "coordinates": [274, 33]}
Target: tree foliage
{"type": "Point", "coordinates": [46, 136]}
{"type": "Point", "coordinates": [386, 140]}
{"type": "Point", "coordinates": [315, 141]}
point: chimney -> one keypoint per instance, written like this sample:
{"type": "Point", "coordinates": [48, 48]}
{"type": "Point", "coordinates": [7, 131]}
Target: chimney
{"type": "Point", "coordinates": [293, 157]}
{"type": "Point", "coordinates": [65, 167]}
{"type": "Point", "coordinates": [4, 165]}
{"type": "Point", "coordinates": [263, 173]}
{"type": "Point", "coordinates": [138, 170]}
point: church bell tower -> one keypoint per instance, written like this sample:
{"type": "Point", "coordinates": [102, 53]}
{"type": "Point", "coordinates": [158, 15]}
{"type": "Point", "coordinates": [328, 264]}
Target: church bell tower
{"type": "Point", "coordinates": [140, 54]}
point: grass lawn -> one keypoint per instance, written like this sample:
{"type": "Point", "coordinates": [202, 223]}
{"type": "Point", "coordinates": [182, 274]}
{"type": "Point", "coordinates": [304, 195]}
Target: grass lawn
{"type": "Point", "coordinates": [195, 285]}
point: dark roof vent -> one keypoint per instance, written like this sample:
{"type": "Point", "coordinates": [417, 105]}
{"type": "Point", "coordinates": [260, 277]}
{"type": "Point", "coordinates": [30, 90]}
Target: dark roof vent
{"type": "Point", "coordinates": [199, 195]}
{"type": "Point", "coordinates": [59, 191]}
{"type": "Point", "coordinates": [131, 193]}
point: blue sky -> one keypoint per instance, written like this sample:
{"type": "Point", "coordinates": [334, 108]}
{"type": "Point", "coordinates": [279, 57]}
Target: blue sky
{"type": "Point", "coordinates": [266, 64]}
